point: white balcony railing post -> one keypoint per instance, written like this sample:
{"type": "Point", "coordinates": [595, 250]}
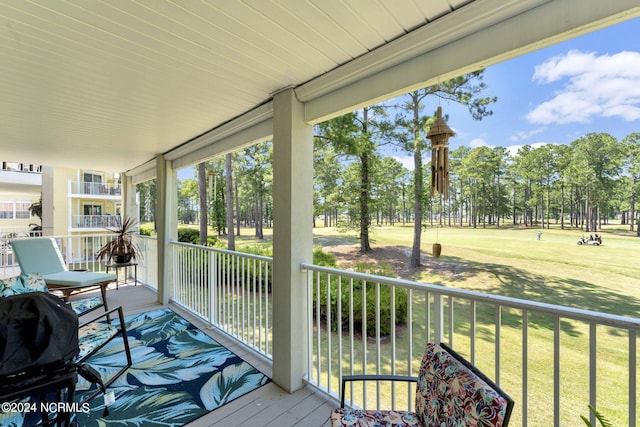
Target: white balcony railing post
{"type": "Point", "coordinates": [438, 318]}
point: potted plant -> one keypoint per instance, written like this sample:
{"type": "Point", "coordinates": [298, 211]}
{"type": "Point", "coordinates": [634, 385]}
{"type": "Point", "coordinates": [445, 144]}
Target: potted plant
{"type": "Point", "coordinates": [121, 249]}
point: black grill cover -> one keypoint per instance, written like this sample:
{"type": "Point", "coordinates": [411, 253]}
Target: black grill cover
{"type": "Point", "coordinates": [37, 332]}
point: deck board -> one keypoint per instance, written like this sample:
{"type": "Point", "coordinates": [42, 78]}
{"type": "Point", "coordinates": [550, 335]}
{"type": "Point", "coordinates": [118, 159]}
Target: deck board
{"type": "Point", "coordinates": [269, 405]}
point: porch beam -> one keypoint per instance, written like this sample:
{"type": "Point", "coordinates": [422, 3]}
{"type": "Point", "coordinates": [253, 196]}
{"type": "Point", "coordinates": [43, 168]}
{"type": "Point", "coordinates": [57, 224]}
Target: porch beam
{"type": "Point", "coordinates": [292, 238]}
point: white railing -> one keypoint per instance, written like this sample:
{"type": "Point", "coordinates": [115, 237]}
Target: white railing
{"type": "Point", "coordinates": [148, 261]}
{"type": "Point", "coordinates": [95, 221]}
{"type": "Point", "coordinates": [94, 188]}
{"type": "Point", "coordinates": [78, 252]}
{"type": "Point", "coordinates": [552, 360]}
{"type": "Point", "coordinates": [230, 290]}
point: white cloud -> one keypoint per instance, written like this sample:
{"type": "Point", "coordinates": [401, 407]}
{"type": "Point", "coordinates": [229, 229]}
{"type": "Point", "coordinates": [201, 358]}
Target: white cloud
{"type": "Point", "coordinates": [513, 149]}
{"type": "Point", "coordinates": [522, 135]}
{"type": "Point", "coordinates": [594, 87]}
{"type": "Point", "coordinates": [407, 161]}
{"type": "Point", "coordinates": [478, 142]}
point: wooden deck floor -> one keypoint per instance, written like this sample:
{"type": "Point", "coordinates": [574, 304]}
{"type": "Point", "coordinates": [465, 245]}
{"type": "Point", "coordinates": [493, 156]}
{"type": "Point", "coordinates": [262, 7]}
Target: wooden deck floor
{"type": "Point", "coordinates": [270, 405]}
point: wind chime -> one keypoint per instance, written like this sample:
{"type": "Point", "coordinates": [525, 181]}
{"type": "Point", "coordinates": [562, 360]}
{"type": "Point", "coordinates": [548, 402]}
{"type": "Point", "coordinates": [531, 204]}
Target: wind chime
{"type": "Point", "coordinates": [439, 135]}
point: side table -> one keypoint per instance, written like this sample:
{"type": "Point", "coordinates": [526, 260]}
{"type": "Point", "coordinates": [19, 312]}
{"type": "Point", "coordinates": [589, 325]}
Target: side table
{"type": "Point", "coordinates": [125, 265]}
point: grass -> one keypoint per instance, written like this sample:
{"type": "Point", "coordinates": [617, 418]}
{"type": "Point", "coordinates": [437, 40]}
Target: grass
{"type": "Point", "coordinates": [512, 262]}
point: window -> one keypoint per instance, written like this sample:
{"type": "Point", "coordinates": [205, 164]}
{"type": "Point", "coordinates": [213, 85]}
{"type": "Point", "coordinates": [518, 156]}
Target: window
{"type": "Point", "coordinates": [22, 210]}
{"type": "Point", "coordinates": [6, 210]}
{"type": "Point", "coordinates": [92, 183]}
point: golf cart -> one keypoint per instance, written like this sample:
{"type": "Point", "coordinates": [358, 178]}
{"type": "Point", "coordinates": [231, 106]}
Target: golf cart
{"type": "Point", "coordinates": [593, 240]}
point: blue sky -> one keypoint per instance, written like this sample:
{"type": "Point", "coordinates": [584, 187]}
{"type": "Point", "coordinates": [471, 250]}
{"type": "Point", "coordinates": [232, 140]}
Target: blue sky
{"type": "Point", "coordinates": [558, 94]}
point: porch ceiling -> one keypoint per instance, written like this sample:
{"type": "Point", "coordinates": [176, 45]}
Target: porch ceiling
{"type": "Point", "coordinates": [109, 85]}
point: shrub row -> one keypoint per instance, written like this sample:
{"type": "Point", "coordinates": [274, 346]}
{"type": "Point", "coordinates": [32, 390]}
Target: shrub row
{"type": "Point", "coordinates": [354, 293]}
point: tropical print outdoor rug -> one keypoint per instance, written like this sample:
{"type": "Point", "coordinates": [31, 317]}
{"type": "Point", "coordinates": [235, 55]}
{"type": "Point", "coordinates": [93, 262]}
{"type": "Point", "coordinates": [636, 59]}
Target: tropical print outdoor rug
{"type": "Point", "coordinates": [179, 374]}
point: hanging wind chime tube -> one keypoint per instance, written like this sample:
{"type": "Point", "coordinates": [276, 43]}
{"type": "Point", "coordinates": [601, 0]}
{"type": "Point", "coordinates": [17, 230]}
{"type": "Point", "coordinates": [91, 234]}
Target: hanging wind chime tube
{"type": "Point", "coordinates": [439, 134]}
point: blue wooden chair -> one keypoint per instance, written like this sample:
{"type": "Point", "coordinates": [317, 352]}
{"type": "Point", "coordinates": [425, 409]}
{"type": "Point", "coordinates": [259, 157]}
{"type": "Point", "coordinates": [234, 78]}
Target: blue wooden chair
{"type": "Point", "coordinates": [42, 256]}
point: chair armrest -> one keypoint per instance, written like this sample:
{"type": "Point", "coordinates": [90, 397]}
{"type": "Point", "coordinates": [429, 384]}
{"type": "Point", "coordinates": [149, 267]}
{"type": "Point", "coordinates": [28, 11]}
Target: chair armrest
{"type": "Point", "coordinates": [372, 377]}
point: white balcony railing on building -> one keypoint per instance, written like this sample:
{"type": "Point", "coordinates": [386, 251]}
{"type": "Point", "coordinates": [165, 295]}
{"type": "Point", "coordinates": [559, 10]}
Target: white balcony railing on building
{"type": "Point", "coordinates": [95, 221]}
{"type": "Point", "coordinates": [552, 360]}
{"type": "Point", "coordinates": [230, 290]}
{"type": "Point", "coordinates": [20, 167]}
{"type": "Point", "coordinates": [94, 188]}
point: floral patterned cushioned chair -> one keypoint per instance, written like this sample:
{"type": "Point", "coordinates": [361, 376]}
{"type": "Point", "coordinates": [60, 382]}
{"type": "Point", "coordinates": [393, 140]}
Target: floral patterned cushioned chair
{"type": "Point", "coordinates": [450, 392]}
{"type": "Point", "coordinates": [92, 334]}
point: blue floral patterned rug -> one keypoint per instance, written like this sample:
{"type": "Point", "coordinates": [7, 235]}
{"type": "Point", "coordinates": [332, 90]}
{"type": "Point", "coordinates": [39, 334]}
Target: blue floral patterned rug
{"type": "Point", "coordinates": [178, 375]}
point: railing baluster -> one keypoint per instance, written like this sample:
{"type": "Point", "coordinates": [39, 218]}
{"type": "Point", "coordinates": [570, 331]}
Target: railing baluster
{"type": "Point", "coordinates": [364, 339]}
{"type": "Point", "coordinates": [498, 332]}
{"type": "Point", "coordinates": [473, 331]}
{"type": "Point", "coordinates": [318, 330]}
{"type": "Point", "coordinates": [351, 337]}
{"type": "Point", "coordinates": [328, 326]}
{"type": "Point", "coordinates": [556, 371]}
{"type": "Point", "coordinates": [633, 359]}
{"type": "Point", "coordinates": [392, 303]}
{"type": "Point", "coordinates": [339, 327]}
{"type": "Point", "coordinates": [593, 399]}
{"type": "Point", "coordinates": [378, 350]}
{"type": "Point", "coordinates": [525, 366]}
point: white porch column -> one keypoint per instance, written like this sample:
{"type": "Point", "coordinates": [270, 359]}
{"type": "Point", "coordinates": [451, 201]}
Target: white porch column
{"type": "Point", "coordinates": [292, 237]}
{"type": "Point", "coordinates": [48, 202]}
{"type": "Point", "coordinates": [167, 223]}
{"type": "Point", "coordinates": [130, 208]}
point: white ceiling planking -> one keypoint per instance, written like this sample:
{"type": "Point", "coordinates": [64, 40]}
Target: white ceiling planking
{"type": "Point", "coordinates": [377, 19]}
{"type": "Point", "coordinates": [352, 24]}
{"type": "Point", "coordinates": [407, 15]}
{"type": "Point", "coordinates": [264, 44]}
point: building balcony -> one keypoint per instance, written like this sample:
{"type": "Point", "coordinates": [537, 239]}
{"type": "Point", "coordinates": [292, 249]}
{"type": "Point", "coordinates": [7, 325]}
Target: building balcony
{"type": "Point", "coordinates": [20, 167]}
{"type": "Point", "coordinates": [16, 177]}
{"type": "Point", "coordinates": [94, 189]}
{"type": "Point", "coordinates": [100, 222]}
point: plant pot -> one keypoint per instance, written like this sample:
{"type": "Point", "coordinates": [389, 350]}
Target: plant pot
{"type": "Point", "coordinates": [122, 259]}
{"type": "Point", "coordinates": [437, 249]}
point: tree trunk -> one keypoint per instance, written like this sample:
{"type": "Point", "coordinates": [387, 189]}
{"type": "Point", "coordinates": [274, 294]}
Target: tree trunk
{"type": "Point", "coordinates": [231, 240]}
{"type": "Point", "coordinates": [562, 207]}
{"type": "Point", "coordinates": [237, 209]}
{"type": "Point", "coordinates": [364, 203]}
{"type": "Point", "coordinates": [204, 222]}
{"type": "Point", "coordinates": [632, 208]}
{"type": "Point", "coordinates": [417, 184]}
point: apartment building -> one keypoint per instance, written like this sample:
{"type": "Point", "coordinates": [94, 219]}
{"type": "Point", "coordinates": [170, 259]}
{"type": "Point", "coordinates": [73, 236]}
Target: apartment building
{"type": "Point", "coordinates": [75, 202]}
